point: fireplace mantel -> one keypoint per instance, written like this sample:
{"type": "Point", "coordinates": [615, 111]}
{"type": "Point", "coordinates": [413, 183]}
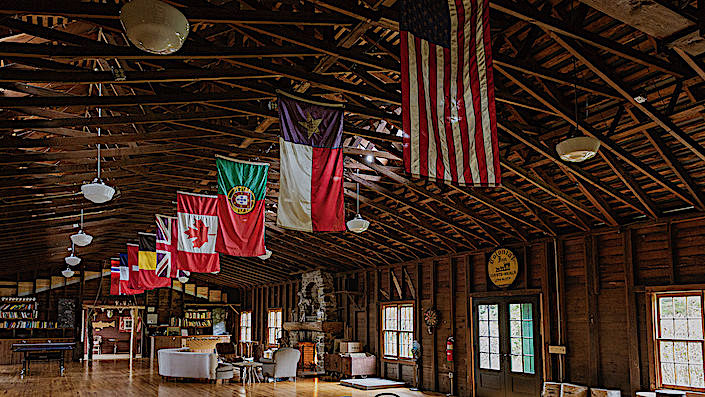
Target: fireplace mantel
{"type": "Point", "coordinates": [333, 327]}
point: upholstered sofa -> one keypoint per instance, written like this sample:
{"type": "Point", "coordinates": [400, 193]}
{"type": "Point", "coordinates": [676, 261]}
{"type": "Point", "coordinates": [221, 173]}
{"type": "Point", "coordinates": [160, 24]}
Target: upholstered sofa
{"type": "Point", "coordinates": [282, 365]}
{"type": "Point", "coordinates": [182, 363]}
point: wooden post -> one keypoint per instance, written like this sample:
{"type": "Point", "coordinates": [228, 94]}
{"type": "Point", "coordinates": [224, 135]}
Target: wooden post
{"type": "Point", "coordinates": [469, 324]}
{"type": "Point", "coordinates": [132, 335]}
{"type": "Point", "coordinates": [434, 357]}
{"type": "Point", "coordinates": [451, 271]}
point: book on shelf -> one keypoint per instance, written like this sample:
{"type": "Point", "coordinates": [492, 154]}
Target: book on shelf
{"type": "Point", "coordinates": [22, 324]}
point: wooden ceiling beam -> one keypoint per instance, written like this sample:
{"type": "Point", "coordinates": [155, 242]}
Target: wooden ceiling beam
{"type": "Point", "coordinates": [613, 81]}
{"type": "Point", "coordinates": [605, 141]}
{"type": "Point", "coordinates": [107, 11]}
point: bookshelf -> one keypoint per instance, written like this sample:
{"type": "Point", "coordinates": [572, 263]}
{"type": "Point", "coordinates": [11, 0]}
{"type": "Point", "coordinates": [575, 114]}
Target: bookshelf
{"type": "Point", "coordinates": [22, 313]}
{"type": "Point", "coordinates": [200, 318]}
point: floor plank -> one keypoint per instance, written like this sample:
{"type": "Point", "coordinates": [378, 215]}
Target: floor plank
{"type": "Point", "coordinates": [115, 378]}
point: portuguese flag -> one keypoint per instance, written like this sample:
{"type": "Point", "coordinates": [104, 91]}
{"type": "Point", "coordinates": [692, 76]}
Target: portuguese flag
{"type": "Point", "coordinates": [241, 189]}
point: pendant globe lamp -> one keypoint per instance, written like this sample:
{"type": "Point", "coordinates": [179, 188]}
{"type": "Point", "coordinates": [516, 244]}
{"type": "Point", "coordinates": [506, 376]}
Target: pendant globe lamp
{"type": "Point", "coordinates": [183, 276]}
{"type": "Point", "coordinates": [97, 191]}
{"type": "Point", "coordinates": [357, 224]}
{"type": "Point", "coordinates": [72, 260]}
{"type": "Point", "coordinates": [154, 26]}
{"type": "Point", "coordinates": [68, 273]}
{"type": "Point", "coordinates": [267, 254]}
{"type": "Point", "coordinates": [574, 148]}
{"type": "Point", "coordinates": [81, 238]}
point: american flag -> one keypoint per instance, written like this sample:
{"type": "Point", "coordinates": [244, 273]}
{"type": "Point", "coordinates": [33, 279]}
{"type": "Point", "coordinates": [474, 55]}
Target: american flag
{"type": "Point", "coordinates": [448, 109]}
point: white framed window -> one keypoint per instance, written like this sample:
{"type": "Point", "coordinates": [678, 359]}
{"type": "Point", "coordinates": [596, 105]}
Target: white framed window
{"type": "Point", "coordinates": [246, 326]}
{"type": "Point", "coordinates": [274, 325]}
{"type": "Point", "coordinates": [679, 342]}
{"type": "Point", "coordinates": [397, 330]}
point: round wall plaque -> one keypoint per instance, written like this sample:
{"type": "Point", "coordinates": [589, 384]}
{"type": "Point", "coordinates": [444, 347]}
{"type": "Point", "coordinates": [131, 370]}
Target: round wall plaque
{"type": "Point", "coordinates": [502, 267]}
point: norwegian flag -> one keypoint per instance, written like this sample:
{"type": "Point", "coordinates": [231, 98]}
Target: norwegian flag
{"type": "Point", "coordinates": [167, 238]}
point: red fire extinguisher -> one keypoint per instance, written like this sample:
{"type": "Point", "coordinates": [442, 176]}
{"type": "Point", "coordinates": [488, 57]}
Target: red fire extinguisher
{"type": "Point", "coordinates": [449, 349]}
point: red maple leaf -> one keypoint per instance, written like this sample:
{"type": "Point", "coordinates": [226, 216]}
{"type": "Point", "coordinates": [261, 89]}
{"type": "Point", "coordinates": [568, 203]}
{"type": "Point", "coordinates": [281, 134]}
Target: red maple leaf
{"type": "Point", "coordinates": [199, 233]}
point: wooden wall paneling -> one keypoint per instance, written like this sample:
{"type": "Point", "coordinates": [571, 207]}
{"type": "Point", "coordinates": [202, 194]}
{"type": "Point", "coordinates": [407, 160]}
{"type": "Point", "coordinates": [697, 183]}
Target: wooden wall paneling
{"type": "Point", "coordinates": [469, 324]}
{"type": "Point", "coordinates": [434, 356]}
{"type": "Point", "coordinates": [377, 308]}
{"type": "Point", "coordinates": [562, 317]}
{"type": "Point", "coordinates": [418, 273]}
{"type": "Point", "coordinates": [591, 265]}
{"type": "Point", "coordinates": [631, 318]}
{"type": "Point", "coordinates": [653, 357]}
{"type": "Point", "coordinates": [672, 254]}
{"type": "Point", "coordinates": [451, 281]}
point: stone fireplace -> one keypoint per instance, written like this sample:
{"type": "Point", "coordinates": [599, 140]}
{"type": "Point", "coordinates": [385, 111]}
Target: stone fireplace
{"type": "Point", "coordinates": [315, 318]}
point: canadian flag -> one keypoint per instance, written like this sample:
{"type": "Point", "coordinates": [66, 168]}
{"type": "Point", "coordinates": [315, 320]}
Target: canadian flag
{"type": "Point", "coordinates": [197, 216]}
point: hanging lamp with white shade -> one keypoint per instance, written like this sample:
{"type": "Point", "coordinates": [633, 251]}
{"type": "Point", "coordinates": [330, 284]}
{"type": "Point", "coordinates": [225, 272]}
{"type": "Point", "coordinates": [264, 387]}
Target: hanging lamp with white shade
{"type": "Point", "coordinates": [154, 26]}
{"type": "Point", "coordinates": [358, 224]}
{"type": "Point", "coordinates": [81, 238]}
{"type": "Point", "coordinates": [68, 273]}
{"type": "Point", "coordinates": [72, 260]}
{"type": "Point", "coordinates": [97, 191]}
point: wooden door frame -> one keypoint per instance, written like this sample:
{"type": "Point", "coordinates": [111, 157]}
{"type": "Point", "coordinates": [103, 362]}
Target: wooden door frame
{"type": "Point", "coordinates": [502, 295]}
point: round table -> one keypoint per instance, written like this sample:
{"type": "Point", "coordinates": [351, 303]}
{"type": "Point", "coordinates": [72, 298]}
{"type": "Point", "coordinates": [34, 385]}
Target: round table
{"type": "Point", "coordinates": [248, 371]}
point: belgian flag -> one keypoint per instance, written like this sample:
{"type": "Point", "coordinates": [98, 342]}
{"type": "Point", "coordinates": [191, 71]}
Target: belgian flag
{"type": "Point", "coordinates": [147, 262]}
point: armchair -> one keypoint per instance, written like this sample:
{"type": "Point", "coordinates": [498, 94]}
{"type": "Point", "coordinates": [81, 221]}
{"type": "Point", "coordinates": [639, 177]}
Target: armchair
{"type": "Point", "coordinates": [282, 365]}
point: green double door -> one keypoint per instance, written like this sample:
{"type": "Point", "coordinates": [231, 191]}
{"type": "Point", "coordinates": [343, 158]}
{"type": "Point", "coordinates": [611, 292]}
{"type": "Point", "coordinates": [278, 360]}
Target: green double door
{"type": "Point", "coordinates": [507, 347]}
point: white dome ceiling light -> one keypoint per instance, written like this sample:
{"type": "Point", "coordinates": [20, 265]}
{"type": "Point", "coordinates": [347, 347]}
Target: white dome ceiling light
{"type": "Point", "coordinates": [72, 260]}
{"type": "Point", "coordinates": [357, 224]}
{"type": "Point", "coordinates": [154, 26]}
{"type": "Point", "coordinates": [68, 273]}
{"type": "Point", "coordinates": [267, 254]}
{"type": "Point", "coordinates": [183, 279]}
{"type": "Point", "coordinates": [97, 191]}
{"type": "Point", "coordinates": [578, 149]}
{"type": "Point", "coordinates": [81, 238]}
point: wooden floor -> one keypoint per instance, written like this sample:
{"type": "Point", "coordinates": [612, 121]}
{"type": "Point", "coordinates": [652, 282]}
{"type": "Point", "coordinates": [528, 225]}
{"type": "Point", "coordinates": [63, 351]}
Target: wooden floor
{"type": "Point", "coordinates": [114, 378]}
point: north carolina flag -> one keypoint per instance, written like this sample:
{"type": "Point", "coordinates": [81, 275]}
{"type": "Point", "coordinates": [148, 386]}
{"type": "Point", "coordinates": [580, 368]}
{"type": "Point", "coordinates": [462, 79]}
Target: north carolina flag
{"type": "Point", "coordinates": [167, 236]}
{"type": "Point", "coordinates": [147, 260]}
{"type": "Point", "coordinates": [133, 264]}
{"type": "Point", "coordinates": [114, 276]}
{"type": "Point", "coordinates": [125, 278]}
{"type": "Point", "coordinates": [241, 189]}
{"type": "Point", "coordinates": [197, 216]}
{"type": "Point", "coordinates": [311, 166]}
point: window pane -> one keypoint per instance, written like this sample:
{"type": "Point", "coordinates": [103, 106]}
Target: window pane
{"type": "Point", "coordinates": [681, 352]}
{"type": "Point", "coordinates": [528, 364]}
{"type": "Point", "coordinates": [667, 352]}
{"type": "Point", "coordinates": [494, 345]}
{"type": "Point", "coordinates": [484, 344]}
{"type": "Point", "coordinates": [680, 327]}
{"type": "Point", "coordinates": [666, 307]}
{"type": "Point", "coordinates": [679, 310]}
{"type": "Point", "coordinates": [405, 344]}
{"type": "Point", "coordinates": [528, 346]}
{"type": "Point", "coordinates": [526, 311]}
{"type": "Point", "coordinates": [516, 346]}
{"type": "Point", "coordinates": [682, 375]}
{"type": "Point", "coordinates": [407, 318]}
{"type": "Point", "coordinates": [493, 309]}
{"type": "Point", "coordinates": [668, 373]}
{"type": "Point", "coordinates": [667, 328]}
{"type": "Point", "coordinates": [694, 310]}
{"type": "Point", "coordinates": [527, 329]}
{"type": "Point", "coordinates": [484, 360]}
{"type": "Point", "coordinates": [696, 376]}
{"type": "Point", "coordinates": [494, 361]}
{"type": "Point", "coordinates": [514, 311]}
{"type": "Point", "coordinates": [494, 327]}
{"type": "Point", "coordinates": [695, 328]}
{"type": "Point", "coordinates": [482, 312]}
{"type": "Point", "coordinates": [695, 353]}
{"type": "Point", "coordinates": [484, 328]}
{"type": "Point", "coordinates": [515, 329]}
{"type": "Point", "coordinates": [517, 364]}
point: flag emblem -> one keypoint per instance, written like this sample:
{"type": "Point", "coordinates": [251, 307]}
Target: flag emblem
{"type": "Point", "coordinates": [241, 199]}
{"type": "Point", "coordinates": [310, 125]}
{"type": "Point", "coordinates": [197, 232]}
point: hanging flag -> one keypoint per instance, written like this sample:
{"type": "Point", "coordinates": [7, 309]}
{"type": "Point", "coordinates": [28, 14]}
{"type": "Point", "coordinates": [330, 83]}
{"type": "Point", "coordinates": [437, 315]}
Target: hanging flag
{"type": "Point", "coordinates": [125, 278]}
{"type": "Point", "coordinates": [114, 276]}
{"type": "Point", "coordinates": [311, 166]}
{"type": "Point", "coordinates": [448, 108]}
{"type": "Point", "coordinates": [133, 263]}
{"type": "Point", "coordinates": [148, 263]}
{"type": "Point", "coordinates": [167, 236]}
{"type": "Point", "coordinates": [241, 189]}
{"type": "Point", "coordinates": [197, 216]}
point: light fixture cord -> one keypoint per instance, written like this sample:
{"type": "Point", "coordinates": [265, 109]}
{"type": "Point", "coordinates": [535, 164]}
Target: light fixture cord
{"type": "Point", "coordinates": [100, 112]}
{"type": "Point", "coordinates": [575, 71]}
{"type": "Point", "coordinates": [81, 219]}
{"type": "Point", "coordinates": [358, 197]}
